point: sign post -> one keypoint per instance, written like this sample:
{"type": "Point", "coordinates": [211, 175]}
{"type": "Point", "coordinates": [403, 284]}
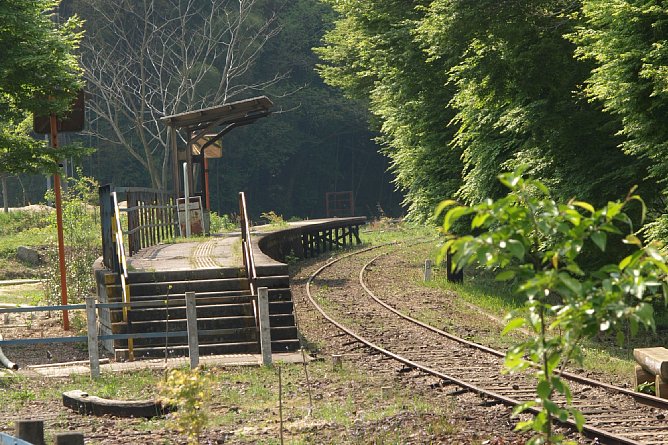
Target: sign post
{"type": "Point", "coordinates": [59, 224]}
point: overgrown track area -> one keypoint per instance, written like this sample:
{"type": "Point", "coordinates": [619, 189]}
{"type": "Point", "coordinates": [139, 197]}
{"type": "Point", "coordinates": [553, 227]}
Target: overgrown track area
{"type": "Point", "coordinates": [343, 292]}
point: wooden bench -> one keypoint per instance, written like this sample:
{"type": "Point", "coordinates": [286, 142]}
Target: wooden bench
{"type": "Point", "coordinates": [652, 367]}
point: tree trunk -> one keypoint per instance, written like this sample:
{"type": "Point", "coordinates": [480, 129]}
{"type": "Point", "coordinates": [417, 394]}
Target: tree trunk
{"type": "Point", "coordinates": [5, 193]}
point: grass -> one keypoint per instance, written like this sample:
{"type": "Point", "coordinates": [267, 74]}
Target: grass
{"type": "Point", "coordinates": [497, 300]}
{"type": "Point", "coordinates": [30, 294]}
{"type": "Point", "coordinates": [384, 231]}
{"type": "Point", "coordinates": [245, 402]}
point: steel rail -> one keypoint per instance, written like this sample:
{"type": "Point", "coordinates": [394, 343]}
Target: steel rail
{"type": "Point", "coordinates": [648, 399]}
{"type": "Point", "coordinates": [593, 432]}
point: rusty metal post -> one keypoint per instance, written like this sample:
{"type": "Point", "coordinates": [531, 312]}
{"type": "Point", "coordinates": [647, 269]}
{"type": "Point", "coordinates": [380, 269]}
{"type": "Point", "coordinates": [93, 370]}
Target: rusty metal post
{"type": "Point", "coordinates": [59, 224]}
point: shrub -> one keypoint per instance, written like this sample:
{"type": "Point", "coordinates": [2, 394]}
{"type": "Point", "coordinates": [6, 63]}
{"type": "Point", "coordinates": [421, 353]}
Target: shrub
{"type": "Point", "coordinates": [81, 231]}
{"type": "Point", "coordinates": [539, 243]}
{"type": "Point", "coordinates": [187, 390]}
{"type": "Point", "coordinates": [223, 223]}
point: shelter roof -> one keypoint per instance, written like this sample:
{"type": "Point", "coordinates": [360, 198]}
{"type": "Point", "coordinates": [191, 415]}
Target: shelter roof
{"type": "Point", "coordinates": [240, 112]}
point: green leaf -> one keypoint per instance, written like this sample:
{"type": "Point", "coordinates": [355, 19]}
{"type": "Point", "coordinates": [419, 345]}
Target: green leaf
{"type": "Point", "coordinates": [574, 285]}
{"type": "Point", "coordinates": [479, 219]}
{"type": "Point", "coordinates": [551, 407]}
{"type": "Point", "coordinates": [654, 254]}
{"type": "Point", "coordinates": [620, 337]}
{"type": "Point", "coordinates": [505, 275]}
{"type": "Point", "coordinates": [645, 314]}
{"type": "Point", "coordinates": [579, 419]}
{"type": "Point", "coordinates": [513, 324]}
{"type": "Point", "coordinates": [600, 239]}
{"type": "Point", "coordinates": [632, 239]}
{"type": "Point", "coordinates": [443, 205]}
{"type": "Point", "coordinates": [574, 269]}
{"type": "Point", "coordinates": [453, 215]}
{"type": "Point", "coordinates": [585, 205]}
{"type": "Point", "coordinates": [543, 389]}
{"type": "Point", "coordinates": [516, 248]}
{"type": "Point", "coordinates": [625, 262]}
{"type": "Point", "coordinates": [643, 206]}
{"type": "Point", "coordinates": [523, 407]}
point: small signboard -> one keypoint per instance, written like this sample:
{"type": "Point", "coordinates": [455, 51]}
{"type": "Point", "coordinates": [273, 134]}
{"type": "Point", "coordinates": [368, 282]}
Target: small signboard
{"type": "Point", "coordinates": [195, 215]}
{"type": "Point", "coordinates": [72, 121]}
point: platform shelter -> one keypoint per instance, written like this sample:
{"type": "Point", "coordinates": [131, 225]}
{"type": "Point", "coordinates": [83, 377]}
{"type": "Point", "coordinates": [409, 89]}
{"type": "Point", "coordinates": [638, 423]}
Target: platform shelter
{"type": "Point", "coordinates": [201, 133]}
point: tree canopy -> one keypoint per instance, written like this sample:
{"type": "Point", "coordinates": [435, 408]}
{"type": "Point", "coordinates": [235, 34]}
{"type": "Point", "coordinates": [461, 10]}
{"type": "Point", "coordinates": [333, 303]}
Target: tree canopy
{"type": "Point", "coordinates": [39, 74]}
{"type": "Point", "coordinates": [465, 90]}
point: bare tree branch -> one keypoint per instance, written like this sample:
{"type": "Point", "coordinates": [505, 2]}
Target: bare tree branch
{"type": "Point", "coordinates": [146, 59]}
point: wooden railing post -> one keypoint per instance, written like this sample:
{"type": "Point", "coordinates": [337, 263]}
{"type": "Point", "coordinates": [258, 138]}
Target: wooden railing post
{"type": "Point", "coordinates": [32, 431]}
{"type": "Point", "coordinates": [69, 438]}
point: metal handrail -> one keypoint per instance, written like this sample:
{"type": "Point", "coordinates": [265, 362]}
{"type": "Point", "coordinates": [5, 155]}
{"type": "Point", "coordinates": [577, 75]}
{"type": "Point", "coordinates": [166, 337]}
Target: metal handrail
{"type": "Point", "coordinates": [123, 269]}
{"type": "Point", "coordinates": [6, 439]}
{"type": "Point", "coordinates": [247, 246]}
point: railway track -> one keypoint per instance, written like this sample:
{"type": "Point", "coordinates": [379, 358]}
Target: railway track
{"type": "Point", "coordinates": [614, 415]}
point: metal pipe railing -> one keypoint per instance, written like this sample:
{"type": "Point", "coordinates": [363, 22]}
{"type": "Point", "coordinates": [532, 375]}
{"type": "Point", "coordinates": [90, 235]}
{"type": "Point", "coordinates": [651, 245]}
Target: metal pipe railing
{"type": "Point", "coordinates": [123, 270]}
{"type": "Point", "coordinates": [246, 244]}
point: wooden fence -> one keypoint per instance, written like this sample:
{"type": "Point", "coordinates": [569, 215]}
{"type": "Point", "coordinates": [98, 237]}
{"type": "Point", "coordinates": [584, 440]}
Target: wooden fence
{"type": "Point", "coordinates": [150, 218]}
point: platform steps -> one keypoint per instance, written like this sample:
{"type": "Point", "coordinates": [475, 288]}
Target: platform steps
{"type": "Point", "coordinates": [223, 305]}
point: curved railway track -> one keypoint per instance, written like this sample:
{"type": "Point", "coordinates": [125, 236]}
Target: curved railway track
{"type": "Point", "coordinates": [614, 415]}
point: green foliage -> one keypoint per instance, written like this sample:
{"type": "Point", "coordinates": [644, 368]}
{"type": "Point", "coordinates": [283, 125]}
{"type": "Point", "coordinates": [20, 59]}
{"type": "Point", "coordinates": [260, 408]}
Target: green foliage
{"type": "Point", "coordinates": [40, 74]}
{"type": "Point", "coordinates": [628, 42]}
{"type": "Point", "coordinates": [81, 230]}
{"type": "Point", "coordinates": [272, 218]}
{"type": "Point", "coordinates": [463, 91]}
{"type": "Point", "coordinates": [40, 70]}
{"type": "Point", "coordinates": [222, 223]}
{"type": "Point", "coordinates": [371, 53]}
{"type": "Point", "coordinates": [539, 243]}
{"type": "Point", "coordinates": [18, 221]}
{"type": "Point", "coordinates": [647, 388]}
{"type": "Point", "coordinates": [188, 390]}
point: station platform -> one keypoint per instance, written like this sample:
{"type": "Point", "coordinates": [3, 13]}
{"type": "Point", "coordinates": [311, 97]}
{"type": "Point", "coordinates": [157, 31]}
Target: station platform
{"type": "Point", "coordinates": [224, 250]}
{"type": "Point", "coordinates": [211, 268]}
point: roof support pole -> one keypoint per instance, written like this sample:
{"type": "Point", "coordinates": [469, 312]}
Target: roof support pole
{"type": "Point", "coordinates": [175, 162]}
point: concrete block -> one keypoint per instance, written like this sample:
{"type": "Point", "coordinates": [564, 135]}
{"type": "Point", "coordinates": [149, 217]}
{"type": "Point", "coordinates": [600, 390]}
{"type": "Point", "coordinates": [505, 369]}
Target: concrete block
{"type": "Point", "coordinates": [641, 376]}
{"type": "Point", "coordinates": [661, 387]}
{"type": "Point", "coordinates": [653, 360]}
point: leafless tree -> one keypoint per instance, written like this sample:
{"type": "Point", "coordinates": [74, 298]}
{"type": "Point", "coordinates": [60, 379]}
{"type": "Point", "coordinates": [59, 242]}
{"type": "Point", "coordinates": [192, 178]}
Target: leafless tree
{"type": "Point", "coordinates": [145, 59]}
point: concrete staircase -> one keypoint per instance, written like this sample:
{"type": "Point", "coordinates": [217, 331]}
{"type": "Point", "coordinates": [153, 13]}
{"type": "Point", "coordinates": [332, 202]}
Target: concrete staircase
{"type": "Point", "coordinates": [223, 304]}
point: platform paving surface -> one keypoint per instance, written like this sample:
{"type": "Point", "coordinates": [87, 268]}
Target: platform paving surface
{"type": "Point", "coordinates": [202, 253]}
{"type": "Point", "coordinates": [221, 250]}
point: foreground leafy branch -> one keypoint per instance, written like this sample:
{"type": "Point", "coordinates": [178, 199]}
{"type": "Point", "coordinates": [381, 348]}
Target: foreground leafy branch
{"type": "Point", "coordinates": [541, 244]}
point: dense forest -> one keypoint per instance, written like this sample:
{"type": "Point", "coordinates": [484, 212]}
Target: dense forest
{"type": "Point", "coordinates": [576, 91]}
{"type": "Point", "coordinates": [445, 93]}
